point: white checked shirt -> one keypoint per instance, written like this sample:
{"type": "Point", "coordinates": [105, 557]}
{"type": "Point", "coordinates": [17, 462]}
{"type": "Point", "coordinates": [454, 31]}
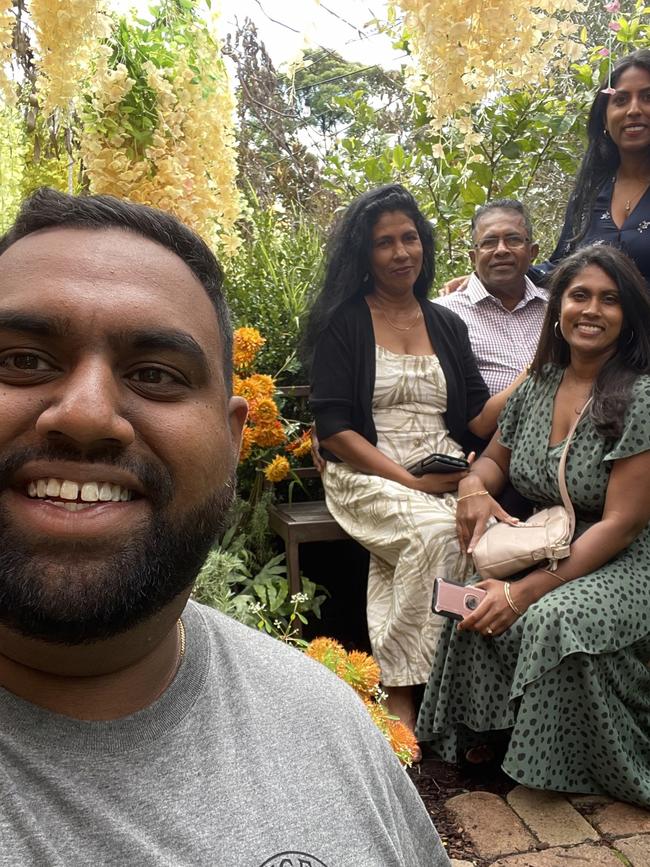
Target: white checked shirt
{"type": "Point", "coordinates": [503, 341]}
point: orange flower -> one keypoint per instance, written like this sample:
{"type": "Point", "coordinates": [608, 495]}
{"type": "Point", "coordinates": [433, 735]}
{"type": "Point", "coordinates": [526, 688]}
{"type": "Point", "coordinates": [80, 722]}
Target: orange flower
{"type": "Point", "coordinates": [254, 387]}
{"type": "Point", "coordinates": [402, 740]}
{"type": "Point", "coordinates": [271, 435]}
{"type": "Point", "coordinates": [263, 412]}
{"type": "Point", "coordinates": [247, 443]}
{"type": "Point", "coordinates": [263, 385]}
{"type": "Point", "coordinates": [247, 342]}
{"type": "Point", "coordinates": [361, 671]}
{"type": "Point", "coordinates": [327, 651]}
{"type": "Point", "coordinates": [277, 470]}
{"type": "Point", "coordinates": [302, 446]}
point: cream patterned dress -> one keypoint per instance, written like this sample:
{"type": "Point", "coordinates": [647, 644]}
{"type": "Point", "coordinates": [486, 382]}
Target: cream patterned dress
{"type": "Point", "coordinates": [411, 535]}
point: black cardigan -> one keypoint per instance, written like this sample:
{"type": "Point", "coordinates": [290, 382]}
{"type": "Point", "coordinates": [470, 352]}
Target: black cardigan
{"type": "Point", "coordinates": [343, 373]}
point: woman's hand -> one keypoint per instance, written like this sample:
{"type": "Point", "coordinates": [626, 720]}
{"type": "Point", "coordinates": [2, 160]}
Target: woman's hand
{"type": "Point", "coordinates": [456, 284]}
{"type": "Point", "coordinates": [493, 615]}
{"type": "Point", "coordinates": [438, 483]}
{"type": "Point", "coordinates": [318, 461]}
{"type": "Point", "coordinates": [473, 512]}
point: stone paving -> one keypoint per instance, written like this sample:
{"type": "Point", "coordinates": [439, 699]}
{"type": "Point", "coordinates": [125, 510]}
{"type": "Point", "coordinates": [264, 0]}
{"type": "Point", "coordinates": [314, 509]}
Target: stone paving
{"type": "Point", "coordinates": [530, 828]}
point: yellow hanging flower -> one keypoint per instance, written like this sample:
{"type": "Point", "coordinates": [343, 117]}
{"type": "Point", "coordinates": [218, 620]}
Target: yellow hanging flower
{"type": "Point", "coordinates": [247, 342]}
{"type": "Point", "coordinates": [277, 470]}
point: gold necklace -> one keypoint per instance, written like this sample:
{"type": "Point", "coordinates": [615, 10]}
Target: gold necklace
{"type": "Point", "coordinates": [400, 327]}
{"type": "Point", "coordinates": [181, 641]}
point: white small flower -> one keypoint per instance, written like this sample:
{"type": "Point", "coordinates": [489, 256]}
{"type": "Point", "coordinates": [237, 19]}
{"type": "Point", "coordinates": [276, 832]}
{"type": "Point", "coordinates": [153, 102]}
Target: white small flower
{"type": "Point", "coordinates": [298, 598]}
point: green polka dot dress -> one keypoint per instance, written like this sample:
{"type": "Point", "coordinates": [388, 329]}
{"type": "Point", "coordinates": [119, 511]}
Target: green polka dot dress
{"type": "Point", "coordinates": [569, 679]}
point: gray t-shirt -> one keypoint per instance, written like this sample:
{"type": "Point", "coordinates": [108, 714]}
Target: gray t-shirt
{"type": "Point", "coordinates": [254, 756]}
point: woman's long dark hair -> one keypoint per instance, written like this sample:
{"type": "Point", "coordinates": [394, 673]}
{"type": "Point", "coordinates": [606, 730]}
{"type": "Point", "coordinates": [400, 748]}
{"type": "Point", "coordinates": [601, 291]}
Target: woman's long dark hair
{"type": "Point", "coordinates": [601, 159]}
{"type": "Point", "coordinates": [346, 272]}
{"type": "Point", "coordinates": [613, 385]}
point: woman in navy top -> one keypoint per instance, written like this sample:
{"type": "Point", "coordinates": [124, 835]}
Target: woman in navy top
{"type": "Point", "coordinates": [610, 203]}
{"type": "Point", "coordinates": [611, 200]}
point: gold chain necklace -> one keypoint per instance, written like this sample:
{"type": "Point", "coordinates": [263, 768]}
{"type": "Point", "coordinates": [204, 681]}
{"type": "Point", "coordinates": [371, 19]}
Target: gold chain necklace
{"type": "Point", "coordinates": [400, 327]}
{"type": "Point", "coordinates": [181, 641]}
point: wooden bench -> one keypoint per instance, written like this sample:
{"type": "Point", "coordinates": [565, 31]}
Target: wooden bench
{"type": "Point", "coordinates": [297, 523]}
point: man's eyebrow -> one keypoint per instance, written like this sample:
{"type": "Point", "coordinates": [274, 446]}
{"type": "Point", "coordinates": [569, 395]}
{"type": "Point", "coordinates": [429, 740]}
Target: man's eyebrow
{"type": "Point", "coordinates": [34, 323]}
{"type": "Point", "coordinates": [169, 339]}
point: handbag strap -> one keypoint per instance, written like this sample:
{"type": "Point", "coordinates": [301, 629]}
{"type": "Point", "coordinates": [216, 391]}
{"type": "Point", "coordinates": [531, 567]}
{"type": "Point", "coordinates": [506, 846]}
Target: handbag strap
{"type": "Point", "coordinates": [561, 474]}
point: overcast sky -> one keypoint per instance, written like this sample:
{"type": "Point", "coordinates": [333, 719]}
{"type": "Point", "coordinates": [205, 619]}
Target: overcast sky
{"type": "Point", "coordinates": [340, 25]}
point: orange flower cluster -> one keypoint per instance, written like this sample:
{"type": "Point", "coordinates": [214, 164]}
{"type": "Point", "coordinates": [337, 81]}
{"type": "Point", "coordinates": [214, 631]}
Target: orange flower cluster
{"type": "Point", "coordinates": [265, 429]}
{"type": "Point", "coordinates": [301, 446]}
{"type": "Point", "coordinates": [361, 672]}
{"type": "Point", "coordinates": [247, 342]}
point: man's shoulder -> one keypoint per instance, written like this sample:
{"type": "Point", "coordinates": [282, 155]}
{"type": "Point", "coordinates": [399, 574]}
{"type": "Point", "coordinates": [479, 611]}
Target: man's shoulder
{"type": "Point", "coordinates": [259, 658]}
{"type": "Point", "coordinates": [456, 301]}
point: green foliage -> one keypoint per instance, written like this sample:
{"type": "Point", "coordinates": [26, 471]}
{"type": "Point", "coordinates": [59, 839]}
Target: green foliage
{"type": "Point", "coordinates": [528, 145]}
{"type": "Point", "coordinates": [242, 578]}
{"type": "Point", "coordinates": [268, 284]}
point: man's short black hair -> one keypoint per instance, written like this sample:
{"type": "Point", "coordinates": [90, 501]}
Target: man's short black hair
{"type": "Point", "coordinates": [48, 209]}
{"type": "Point", "coordinates": [503, 205]}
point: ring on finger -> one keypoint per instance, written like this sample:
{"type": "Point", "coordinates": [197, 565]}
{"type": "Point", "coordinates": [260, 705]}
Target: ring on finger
{"type": "Point", "coordinates": [490, 631]}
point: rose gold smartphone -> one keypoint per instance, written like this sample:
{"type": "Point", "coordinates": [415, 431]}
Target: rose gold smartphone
{"type": "Point", "coordinates": [456, 600]}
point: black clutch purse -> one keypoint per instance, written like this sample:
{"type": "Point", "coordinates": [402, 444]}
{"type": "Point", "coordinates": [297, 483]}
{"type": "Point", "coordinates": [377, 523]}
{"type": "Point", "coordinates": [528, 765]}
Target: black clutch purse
{"type": "Point", "coordinates": [437, 463]}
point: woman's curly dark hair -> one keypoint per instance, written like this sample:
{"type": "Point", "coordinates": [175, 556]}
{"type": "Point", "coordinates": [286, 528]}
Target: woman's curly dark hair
{"type": "Point", "coordinates": [602, 158]}
{"type": "Point", "coordinates": [346, 272]}
{"type": "Point", "coordinates": [613, 385]}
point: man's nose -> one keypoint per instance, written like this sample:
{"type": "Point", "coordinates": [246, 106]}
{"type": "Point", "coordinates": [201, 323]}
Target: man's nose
{"type": "Point", "coordinates": [501, 246]}
{"type": "Point", "coordinates": [85, 408]}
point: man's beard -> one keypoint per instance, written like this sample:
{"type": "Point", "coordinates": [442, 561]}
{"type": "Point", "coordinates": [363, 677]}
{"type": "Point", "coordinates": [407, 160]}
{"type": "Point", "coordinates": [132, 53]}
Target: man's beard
{"type": "Point", "coordinates": [70, 595]}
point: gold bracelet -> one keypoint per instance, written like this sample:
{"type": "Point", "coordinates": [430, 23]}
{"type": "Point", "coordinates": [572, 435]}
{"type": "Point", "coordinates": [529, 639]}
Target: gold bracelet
{"type": "Point", "coordinates": [473, 494]}
{"type": "Point", "coordinates": [506, 590]}
{"type": "Point", "coordinates": [554, 575]}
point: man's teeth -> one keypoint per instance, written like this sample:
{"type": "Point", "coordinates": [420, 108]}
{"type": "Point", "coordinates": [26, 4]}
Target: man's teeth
{"type": "Point", "coordinates": [87, 492]}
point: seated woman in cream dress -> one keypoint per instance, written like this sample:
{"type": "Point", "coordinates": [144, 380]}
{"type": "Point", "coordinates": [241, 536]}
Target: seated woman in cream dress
{"type": "Point", "coordinates": [393, 379]}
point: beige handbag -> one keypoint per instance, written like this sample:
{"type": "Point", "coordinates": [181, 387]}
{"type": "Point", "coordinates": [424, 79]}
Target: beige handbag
{"type": "Point", "coordinates": [504, 549]}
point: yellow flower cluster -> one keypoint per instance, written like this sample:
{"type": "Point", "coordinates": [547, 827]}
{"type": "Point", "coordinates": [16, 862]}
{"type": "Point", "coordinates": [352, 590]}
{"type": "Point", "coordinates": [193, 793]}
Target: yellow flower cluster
{"type": "Point", "coordinates": [277, 470]}
{"type": "Point", "coordinates": [7, 24]}
{"type": "Point", "coordinates": [362, 673]}
{"type": "Point", "coordinates": [247, 342]}
{"type": "Point", "coordinates": [67, 32]}
{"type": "Point", "coordinates": [468, 50]}
{"type": "Point", "coordinates": [189, 166]}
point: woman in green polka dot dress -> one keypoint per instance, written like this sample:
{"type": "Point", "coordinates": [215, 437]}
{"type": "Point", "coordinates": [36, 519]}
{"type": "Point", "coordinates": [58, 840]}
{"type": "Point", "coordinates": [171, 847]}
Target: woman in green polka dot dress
{"type": "Point", "coordinates": [558, 663]}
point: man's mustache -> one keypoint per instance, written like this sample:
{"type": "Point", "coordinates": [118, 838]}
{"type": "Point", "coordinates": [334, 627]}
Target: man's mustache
{"type": "Point", "coordinates": [154, 478]}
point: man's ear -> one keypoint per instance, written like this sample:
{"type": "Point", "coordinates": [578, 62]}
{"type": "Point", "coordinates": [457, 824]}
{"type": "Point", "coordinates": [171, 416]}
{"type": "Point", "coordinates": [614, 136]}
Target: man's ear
{"type": "Point", "coordinates": [237, 414]}
{"type": "Point", "coordinates": [472, 257]}
{"type": "Point", "coordinates": [534, 251]}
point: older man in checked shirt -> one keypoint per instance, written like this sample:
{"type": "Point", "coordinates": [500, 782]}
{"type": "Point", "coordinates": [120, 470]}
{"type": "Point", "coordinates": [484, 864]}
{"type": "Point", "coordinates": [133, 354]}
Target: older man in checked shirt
{"type": "Point", "coordinates": [502, 308]}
